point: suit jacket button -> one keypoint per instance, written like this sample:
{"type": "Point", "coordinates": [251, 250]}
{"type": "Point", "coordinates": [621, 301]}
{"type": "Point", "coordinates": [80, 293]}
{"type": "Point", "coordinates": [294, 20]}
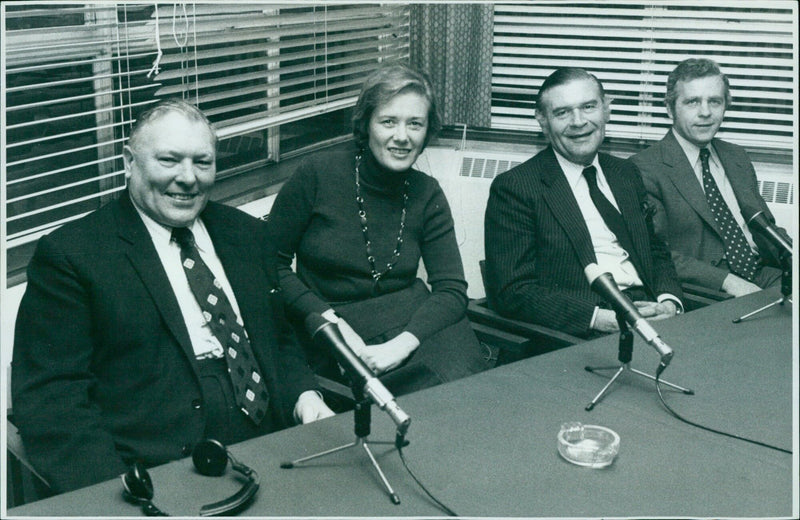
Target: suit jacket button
{"type": "Point", "coordinates": [197, 404]}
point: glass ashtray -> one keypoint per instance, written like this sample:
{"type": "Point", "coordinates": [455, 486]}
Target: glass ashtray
{"type": "Point", "coordinates": [588, 445]}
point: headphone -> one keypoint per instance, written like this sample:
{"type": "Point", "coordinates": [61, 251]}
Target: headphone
{"type": "Point", "coordinates": [210, 458]}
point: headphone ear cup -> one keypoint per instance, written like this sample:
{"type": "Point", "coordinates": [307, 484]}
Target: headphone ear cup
{"type": "Point", "coordinates": [137, 482]}
{"type": "Point", "coordinates": [210, 458]}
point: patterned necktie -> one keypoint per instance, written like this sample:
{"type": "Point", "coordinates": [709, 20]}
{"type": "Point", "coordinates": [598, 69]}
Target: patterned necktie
{"type": "Point", "coordinates": [248, 385]}
{"type": "Point", "coordinates": [740, 257]}
{"type": "Point", "coordinates": [610, 215]}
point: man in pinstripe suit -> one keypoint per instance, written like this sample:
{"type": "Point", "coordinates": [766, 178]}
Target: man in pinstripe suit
{"type": "Point", "coordinates": [567, 207]}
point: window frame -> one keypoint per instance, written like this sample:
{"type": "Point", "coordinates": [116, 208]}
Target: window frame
{"type": "Point", "coordinates": [331, 85]}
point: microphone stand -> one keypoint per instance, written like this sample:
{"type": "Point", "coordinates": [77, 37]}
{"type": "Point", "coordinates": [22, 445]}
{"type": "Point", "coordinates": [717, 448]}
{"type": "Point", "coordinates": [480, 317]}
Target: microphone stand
{"type": "Point", "coordinates": [786, 288]}
{"type": "Point", "coordinates": [624, 356]}
{"type": "Point", "coordinates": [362, 417]}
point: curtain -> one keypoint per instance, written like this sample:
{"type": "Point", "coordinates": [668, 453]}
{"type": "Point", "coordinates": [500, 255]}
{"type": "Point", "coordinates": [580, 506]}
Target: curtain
{"type": "Point", "coordinates": [452, 43]}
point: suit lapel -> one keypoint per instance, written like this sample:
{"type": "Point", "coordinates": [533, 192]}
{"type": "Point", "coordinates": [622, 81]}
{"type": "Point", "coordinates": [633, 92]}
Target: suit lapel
{"type": "Point", "coordinates": [734, 169]}
{"type": "Point", "coordinates": [235, 254]}
{"type": "Point", "coordinates": [235, 249]}
{"type": "Point", "coordinates": [681, 174]}
{"type": "Point", "coordinates": [143, 256]}
{"type": "Point", "coordinates": [561, 200]}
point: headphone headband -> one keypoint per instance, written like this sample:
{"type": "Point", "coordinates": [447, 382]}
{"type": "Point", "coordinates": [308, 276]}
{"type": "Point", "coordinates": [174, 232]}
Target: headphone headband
{"type": "Point", "coordinates": [210, 458]}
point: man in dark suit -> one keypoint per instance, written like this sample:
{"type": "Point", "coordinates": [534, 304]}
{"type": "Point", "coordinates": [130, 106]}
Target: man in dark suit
{"type": "Point", "coordinates": [115, 358]}
{"type": "Point", "coordinates": [566, 208]}
{"type": "Point", "coordinates": [698, 94]}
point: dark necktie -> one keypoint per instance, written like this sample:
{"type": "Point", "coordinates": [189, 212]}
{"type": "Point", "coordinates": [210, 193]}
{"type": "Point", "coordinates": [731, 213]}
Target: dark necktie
{"type": "Point", "coordinates": [610, 215]}
{"type": "Point", "coordinates": [740, 257]}
{"type": "Point", "coordinates": [248, 385]}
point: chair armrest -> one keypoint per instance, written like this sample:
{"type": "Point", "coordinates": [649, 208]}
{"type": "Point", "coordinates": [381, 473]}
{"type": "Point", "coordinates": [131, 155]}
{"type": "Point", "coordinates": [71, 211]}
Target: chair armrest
{"type": "Point", "coordinates": [337, 396]}
{"type": "Point", "coordinates": [697, 296]}
{"type": "Point", "coordinates": [705, 291]}
{"type": "Point", "coordinates": [500, 339]}
{"type": "Point", "coordinates": [479, 312]}
{"type": "Point", "coordinates": [334, 387]}
{"type": "Point", "coordinates": [15, 448]}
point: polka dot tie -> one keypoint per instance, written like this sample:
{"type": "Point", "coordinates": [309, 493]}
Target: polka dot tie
{"type": "Point", "coordinates": [740, 257]}
{"type": "Point", "coordinates": [248, 386]}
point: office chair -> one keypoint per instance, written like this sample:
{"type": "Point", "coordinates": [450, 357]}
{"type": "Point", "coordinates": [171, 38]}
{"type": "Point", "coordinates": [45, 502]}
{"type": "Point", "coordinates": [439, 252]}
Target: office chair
{"type": "Point", "coordinates": [514, 339]}
{"type": "Point", "coordinates": [24, 484]}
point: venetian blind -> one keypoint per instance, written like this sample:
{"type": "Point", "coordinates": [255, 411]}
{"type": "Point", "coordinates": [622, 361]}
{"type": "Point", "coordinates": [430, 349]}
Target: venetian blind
{"type": "Point", "coordinates": [77, 74]}
{"type": "Point", "coordinates": [632, 47]}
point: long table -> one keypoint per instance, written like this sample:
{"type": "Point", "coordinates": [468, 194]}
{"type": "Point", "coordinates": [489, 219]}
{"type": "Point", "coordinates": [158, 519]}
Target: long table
{"type": "Point", "coordinates": [486, 445]}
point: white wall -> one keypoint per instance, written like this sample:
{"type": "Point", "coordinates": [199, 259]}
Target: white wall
{"type": "Point", "coordinates": [443, 164]}
{"type": "Point", "coordinates": [259, 208]}
{"type": "Point", "coordinates": [467, 196]}
{"type": "Point", "coordinates": [8, 315]}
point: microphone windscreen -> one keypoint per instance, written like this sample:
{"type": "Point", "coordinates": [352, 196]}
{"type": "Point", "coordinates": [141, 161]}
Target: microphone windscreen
{"type": "Point", "coordinates": [750, 212]}
{"type": "Point", "coordinates": [313, 322]}
{"type": "Point", "coordinates": [759, 221]}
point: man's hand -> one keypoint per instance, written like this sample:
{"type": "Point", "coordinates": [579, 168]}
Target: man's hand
{"type": "Point", "coordinates": [606, 320]}
{"type": "Point", "coordinates": [736, 286]}
{"type": "Point", "coordinates": [653, 311]}
{"type": "Point", "coordinates": [310, 407]}
{"type": "Point", "coordinates": [386, 356]}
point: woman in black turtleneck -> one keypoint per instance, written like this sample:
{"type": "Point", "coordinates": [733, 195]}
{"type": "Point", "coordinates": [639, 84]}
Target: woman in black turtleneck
{"type": "Point", "coordinates": [358, 222]}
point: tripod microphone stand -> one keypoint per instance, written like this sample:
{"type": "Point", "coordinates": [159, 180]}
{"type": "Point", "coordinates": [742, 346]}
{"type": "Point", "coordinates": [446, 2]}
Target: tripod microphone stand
{"type": "Point", "coordinates": [786, 288]}
{"type": "Point", "coordinates": [362, 416]}
{"type": "Point", "coordinates": [625, 355]}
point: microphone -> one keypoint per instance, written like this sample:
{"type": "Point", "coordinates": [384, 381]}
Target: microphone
{"type": "Point", "coordinates": [603, 284]}
{"type": "Point", "coordinates": [762, 225]}
{"type": "Point", "coordinates": [359, 373]}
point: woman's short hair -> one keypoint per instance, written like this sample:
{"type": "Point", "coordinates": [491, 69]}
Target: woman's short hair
{"type": "Point", "coordinates": [165, 107]}
{"type": "Point", "coordinates": [690, 69]}
{"type": "Point", "coordinates": [384, 84]}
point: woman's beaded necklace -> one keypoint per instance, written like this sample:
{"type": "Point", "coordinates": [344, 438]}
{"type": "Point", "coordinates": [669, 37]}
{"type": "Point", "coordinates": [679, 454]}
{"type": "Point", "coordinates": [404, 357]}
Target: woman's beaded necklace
{"type": "Point", "coordinates": [362, 215]}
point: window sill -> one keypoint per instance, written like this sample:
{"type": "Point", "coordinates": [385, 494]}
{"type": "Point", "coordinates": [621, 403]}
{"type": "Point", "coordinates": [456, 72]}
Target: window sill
{"type": "Point", "coordinates": [260, 182]}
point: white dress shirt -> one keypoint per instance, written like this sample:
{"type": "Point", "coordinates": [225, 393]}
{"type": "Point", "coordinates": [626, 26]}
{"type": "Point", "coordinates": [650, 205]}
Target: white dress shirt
{"type": "Point", "coordinates": [611, 257]}
{"type": "Point", "coordinates": [204, 343]}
